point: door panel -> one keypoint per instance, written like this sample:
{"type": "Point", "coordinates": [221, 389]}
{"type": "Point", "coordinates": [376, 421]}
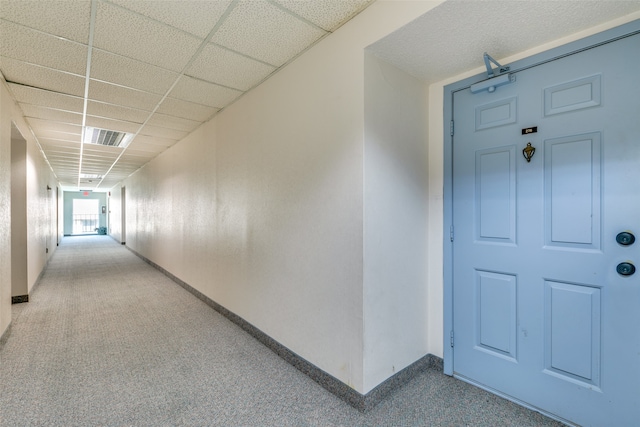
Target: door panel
{"type": "Point", "coordinates": [572, 170]}
{"type": "Point", "coordinates": [540, 313]}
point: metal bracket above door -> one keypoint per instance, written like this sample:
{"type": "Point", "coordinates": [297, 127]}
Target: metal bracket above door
{"type": "Point", "coordinates": [490, 71]}
{"type": "Point", "coordinates": [502, 77]}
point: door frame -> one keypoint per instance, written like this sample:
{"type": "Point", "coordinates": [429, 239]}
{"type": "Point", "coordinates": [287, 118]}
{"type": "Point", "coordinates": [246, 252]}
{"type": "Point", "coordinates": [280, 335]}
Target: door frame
{"type": "Point", "coordinates": [607, 36]}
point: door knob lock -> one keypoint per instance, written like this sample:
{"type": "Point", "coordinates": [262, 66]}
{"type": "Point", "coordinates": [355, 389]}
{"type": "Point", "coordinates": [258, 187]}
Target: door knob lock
{"type": "Point", "coordinates": [626, 269]}
{"type": "Point", "coordinates": [625, 238]}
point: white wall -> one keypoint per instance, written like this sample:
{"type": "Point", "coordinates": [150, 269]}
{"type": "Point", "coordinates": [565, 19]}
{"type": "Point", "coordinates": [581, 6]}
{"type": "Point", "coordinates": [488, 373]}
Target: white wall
{"type": "Point", "coordinates": [41, 213]}
{"type": "Point", "coordinates": [41, 225]}
{"type": "Point", "coordinates": [114, 204]}
{"type": "Point", "coordinates": [5, 208]}
{"type": "Point", "coordinates": [395, 220]}
{"type": "Point", "coordinates": [262, 208]}
{"type": "Point", "coordinates": [19, 277]}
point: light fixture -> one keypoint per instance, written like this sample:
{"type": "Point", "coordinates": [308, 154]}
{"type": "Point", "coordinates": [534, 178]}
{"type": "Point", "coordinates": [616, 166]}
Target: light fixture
{"type": "Point", "coordinates": [110, 138]}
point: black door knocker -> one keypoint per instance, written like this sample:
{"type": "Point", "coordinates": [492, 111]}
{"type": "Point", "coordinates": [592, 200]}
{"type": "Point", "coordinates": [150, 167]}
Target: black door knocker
{"type": "Point", "coordinates": [528, 152]}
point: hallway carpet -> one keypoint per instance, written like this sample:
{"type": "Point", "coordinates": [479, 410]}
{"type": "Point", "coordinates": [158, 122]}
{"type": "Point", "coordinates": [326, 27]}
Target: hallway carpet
{"type": "Point", "coordinates": [107, 340]}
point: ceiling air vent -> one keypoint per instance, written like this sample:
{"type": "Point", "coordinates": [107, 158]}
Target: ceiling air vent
{"type": "Point", "coordinates": [110, 138]}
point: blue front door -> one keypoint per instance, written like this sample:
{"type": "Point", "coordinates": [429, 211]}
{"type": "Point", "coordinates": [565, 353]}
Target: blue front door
{"type": "Point", "coordinates": [545, 308]}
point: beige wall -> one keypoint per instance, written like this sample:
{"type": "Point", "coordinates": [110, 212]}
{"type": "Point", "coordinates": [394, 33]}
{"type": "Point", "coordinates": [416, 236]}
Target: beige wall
{"type": "Point", "coordinates": [5, 208]}
{"type": "Point", "coordinates": [262, 209]}
{"type": "Point", "coordinates": [19, 277]}
{"type": "Point", "coordinates": [114, 204]}
{"type": "Point", "coordinates": [395, 220]}
{"type": "Point", "coordinates": [41, 213]}
{"type": "Point", "coordinates": [41, 226]}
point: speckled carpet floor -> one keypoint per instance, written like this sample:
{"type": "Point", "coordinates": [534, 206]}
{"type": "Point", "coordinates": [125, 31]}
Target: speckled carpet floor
{"type": "Point", "coordinates": [107, 340]}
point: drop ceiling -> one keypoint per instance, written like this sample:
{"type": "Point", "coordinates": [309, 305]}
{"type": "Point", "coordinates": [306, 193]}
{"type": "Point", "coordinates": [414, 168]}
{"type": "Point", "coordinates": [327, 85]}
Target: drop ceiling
{"type": "Point", "coordinates": [153, 69]}
{"type": "Point", "coordinates": [158, 69]}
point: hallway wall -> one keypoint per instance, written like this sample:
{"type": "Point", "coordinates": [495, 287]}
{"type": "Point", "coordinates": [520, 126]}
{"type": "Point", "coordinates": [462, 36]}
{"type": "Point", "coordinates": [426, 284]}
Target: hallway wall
{"type": "Point", "coordinates": [395, 220]}
{"type": "Point", "coordinates": [5, 208]}
{"type": "Point", "coordinates": [114, 204]}
{"type": "Point", "coordinates": [262, 210]}
{"type": "Point", "coordinates": [19, 221]}
{"type": "Point", "coordinates": [41, 225]}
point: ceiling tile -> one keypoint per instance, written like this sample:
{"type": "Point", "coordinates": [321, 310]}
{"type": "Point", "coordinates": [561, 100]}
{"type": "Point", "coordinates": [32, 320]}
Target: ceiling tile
{"type": "Point", "coordinates": [153, 140]}
{"type": "Point", "coordinates": [56, 145]}
{"type": "Point", "coordinates": [117, 69]}
{"type": "Point", "coordinates": [201, 92]}
{"type": "Point", "coordinates": [120, 95]}
{"type": "Point", "coordinates": [124, 167]}
{"type": "Point", "coordinates": [63, 18]}
{"type": "Point", "coordinates": [110, 111]}
{"type": "Point", "coordinates": [226, 68]}
{"type": "Point", "coordinates": [51, 114]}
{"type": "Point", "coordinates": [327, 14]}
{"type": "Point", "coordinates": [24, 44]}
{"type": "Point", "coordinates": [132, 155]}
{"type": "Point", "coordinates": [197, 17]}
{"type": "Point", "coordinates": [253, 27]}
{"type": "Point", "coordinates": [150, 148]}
{"type": "Point", "coordinates": [118, 125]}
{"type": "Point", "coordinates": [154, 43]}
{"type": "Point", "coordinates": [67, 164]}
{"type": "Point", "coordinates": [41, 77]}
{"type": "Point", "coordinates": [173, 122]}
{"type": "Point", "coordinates": [103, 149]}
{"type": "Point", "coordinates": [45, 135]}
{"type": "Point", "coordinates": [46, 98]}
{"type": "Point", "coordinates": [163, 132]}
{"type": "Point", "coordinates": [40, 125]}
{"type": "Point", "coordinates": [186, 110]}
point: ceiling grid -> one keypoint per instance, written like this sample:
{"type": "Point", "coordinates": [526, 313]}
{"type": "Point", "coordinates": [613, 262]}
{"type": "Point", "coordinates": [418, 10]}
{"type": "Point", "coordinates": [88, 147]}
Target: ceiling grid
{"type": "Point", "coordinates": [156, 69]}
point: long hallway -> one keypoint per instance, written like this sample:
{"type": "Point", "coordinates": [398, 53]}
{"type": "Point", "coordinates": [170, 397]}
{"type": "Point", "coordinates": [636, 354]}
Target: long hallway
{"type": "Point", "coordinates": [107, 340]}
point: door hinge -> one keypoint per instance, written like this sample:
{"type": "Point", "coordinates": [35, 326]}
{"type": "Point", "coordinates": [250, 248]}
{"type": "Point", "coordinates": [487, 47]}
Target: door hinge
{"type": "Point", "coordinates": [451, 128]}
{"type": "Point", "coordinates": [451, 233]}
{"type": "Point", "coordinates": [451, 338]}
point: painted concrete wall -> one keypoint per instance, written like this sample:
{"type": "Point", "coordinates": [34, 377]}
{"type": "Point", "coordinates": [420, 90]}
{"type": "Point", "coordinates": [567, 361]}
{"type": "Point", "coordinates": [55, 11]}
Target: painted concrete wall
{"type": "Point", "coordinates": [262, 209]}
{"type": "Point", "coordinates": [68, 198]}
{"type": "Point", "coordinates": [395, 220]}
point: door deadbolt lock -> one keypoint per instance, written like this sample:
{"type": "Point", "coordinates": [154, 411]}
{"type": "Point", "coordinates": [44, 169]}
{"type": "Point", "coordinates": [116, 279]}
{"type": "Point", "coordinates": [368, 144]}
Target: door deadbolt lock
{"type": "Point", "coordinates": [626, 269]}
{"type": "Point", "coordinates": [625, 238]}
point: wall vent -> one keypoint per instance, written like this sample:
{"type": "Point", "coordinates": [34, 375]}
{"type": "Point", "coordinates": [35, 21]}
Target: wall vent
{"type": "Point", "coordinates": [110, 138]}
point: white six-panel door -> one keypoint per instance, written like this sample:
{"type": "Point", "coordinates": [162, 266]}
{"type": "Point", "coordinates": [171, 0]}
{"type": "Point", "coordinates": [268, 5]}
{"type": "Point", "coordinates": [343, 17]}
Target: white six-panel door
{"type": "Point", "coordinates": [541, 311]}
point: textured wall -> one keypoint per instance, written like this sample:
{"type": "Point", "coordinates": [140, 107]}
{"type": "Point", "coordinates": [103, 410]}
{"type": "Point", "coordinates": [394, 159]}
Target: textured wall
{"type": "Point", "coordinates": [19, 221]}
{"type": "Point", "coordinates": [261, 209]}
{"type": "Point", "coordinates": [395, 220]}
{"type": "Point", "coordinates": [5, 208]}
{"type": "Point", "coordinates": [41, 217]}
{"type": "Point", "coordinates": [41, 213]}
{"type": "Point", "coordinates": [114, 203]}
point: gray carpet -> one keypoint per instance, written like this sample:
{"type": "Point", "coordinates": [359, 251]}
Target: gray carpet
{"type": "Point", "coordinates": [107, 340]}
